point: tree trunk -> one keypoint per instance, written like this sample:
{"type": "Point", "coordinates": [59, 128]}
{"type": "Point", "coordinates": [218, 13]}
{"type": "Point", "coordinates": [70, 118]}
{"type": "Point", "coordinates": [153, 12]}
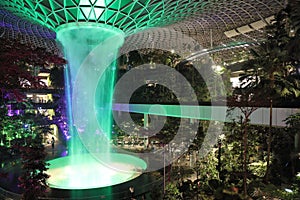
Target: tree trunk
{"type": "Point", "coordinates": [245, 144]}
{"type": "Point", "coordinates": [269, 139]}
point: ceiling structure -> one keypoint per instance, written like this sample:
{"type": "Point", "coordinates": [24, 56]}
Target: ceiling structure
{"type": "Point", "coordinates": [225, 27]}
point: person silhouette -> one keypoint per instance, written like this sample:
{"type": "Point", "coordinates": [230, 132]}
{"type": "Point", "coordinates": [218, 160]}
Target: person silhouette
{"type": "Point", "coordinates": [131, 193]}
{"type": "Point", "coordinates": [52, 142]}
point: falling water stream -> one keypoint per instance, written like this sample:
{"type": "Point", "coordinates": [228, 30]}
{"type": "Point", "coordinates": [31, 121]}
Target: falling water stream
{"type": "Point", "coordinates": [91, 50]}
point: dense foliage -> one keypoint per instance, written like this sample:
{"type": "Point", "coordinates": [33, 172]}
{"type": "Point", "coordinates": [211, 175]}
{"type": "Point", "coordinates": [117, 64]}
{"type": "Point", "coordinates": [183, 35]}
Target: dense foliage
{"type": "Point", "coordinates": [22, 133]}
{"type": "Point", "coordinates": [19, 62]}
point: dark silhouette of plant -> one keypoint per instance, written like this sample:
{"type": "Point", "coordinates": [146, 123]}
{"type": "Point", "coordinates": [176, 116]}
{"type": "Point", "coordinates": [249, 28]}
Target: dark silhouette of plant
{"type": "Point", "coordinates": [19, 64]}
{"type": "Point", "coordinates": [270, 71]}
{"type": "Point", "coordinates": [33, 179]}
{"type": "Point", "coordinates": [246, 101]}
{"type": "Point", "coordinates": [57, 77]}
{"type": "Point", "coordinates": [293, 124]}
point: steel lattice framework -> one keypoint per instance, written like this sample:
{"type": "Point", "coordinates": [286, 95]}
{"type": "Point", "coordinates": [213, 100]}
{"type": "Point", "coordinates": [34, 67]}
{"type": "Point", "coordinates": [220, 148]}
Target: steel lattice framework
{"type": "Point", "coordinates": [213, 23]}
{"type": "Point", "coordinates": [126, 15]}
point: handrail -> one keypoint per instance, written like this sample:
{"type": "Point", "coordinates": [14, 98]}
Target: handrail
{"type": "Point", "coordinates": [7, 195]}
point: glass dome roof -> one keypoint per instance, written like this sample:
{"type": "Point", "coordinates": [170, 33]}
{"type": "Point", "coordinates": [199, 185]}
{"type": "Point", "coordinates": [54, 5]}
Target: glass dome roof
{"type": "Point", "coordinates": [212, 23]}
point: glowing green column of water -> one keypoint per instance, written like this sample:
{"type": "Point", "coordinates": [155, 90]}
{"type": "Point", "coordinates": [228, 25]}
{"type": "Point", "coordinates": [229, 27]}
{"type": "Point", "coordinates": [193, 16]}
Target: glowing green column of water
{"type": "Point", "coordinates": [90, 50]}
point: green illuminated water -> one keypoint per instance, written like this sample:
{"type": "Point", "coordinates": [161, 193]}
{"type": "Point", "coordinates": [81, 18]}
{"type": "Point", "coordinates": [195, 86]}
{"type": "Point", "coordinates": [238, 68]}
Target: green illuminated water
{"type": "Point", "coordinates": [88, 173]}
{"type": "Point", "coordinates": [91, 51]}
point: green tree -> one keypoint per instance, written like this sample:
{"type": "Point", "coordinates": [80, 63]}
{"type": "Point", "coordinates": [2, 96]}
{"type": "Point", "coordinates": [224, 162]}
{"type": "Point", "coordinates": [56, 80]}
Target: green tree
{"type": "Point", "coordinates": [270, 71]}
{"type": "Point", "coordinates": [24, 139]}
{"type": "Point", "coordinates": [246, 101]}
{"type": "Point", "coordinates": [293, 21]}
{"type": "Point", "coordinates": [172, 192]}
{"type": "Point", "coordinates": [293, 124]}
